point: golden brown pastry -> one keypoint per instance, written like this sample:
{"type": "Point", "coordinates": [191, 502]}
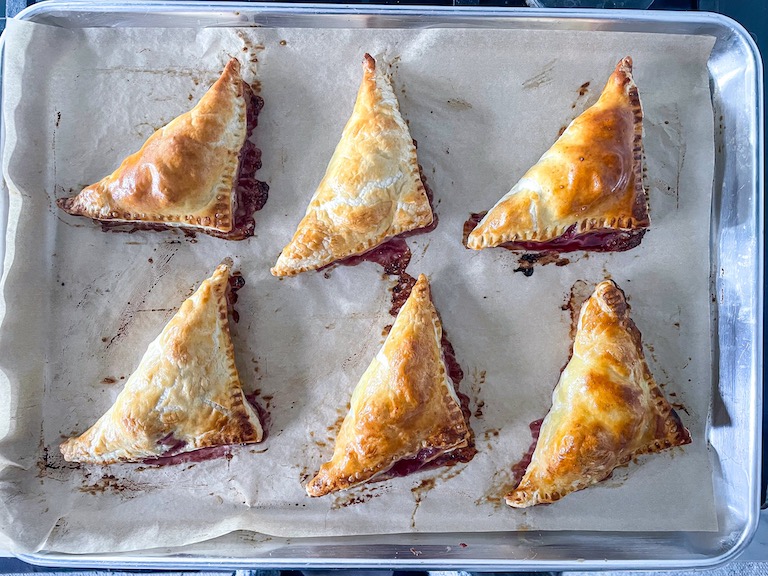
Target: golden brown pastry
{"type": "Point", "coordinates": [606, 408]}
{"type": "Point", "coordinates": [196, 173]}
{"type": "Point", "coordinates": [184, 395]}
{"type": "Point", "coordinates": [586, 192]}
{"type": "Point", "coordinates": [372, 189]}
{"type": "Point", "coordinates": [404, 407]}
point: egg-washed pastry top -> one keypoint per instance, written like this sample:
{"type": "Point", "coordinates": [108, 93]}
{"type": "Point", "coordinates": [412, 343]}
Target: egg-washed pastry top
{"type": "Point", "coordinates": [195, 173]}
{"type": "Point", "coordinates": [372, 189]}
{"type": "Point", "coordinates": [606, 408]}
{"type": "Point", "coordinates": [184, 395]}
{"type": "Point", "coordinates": [404, 406]}
{"type": "Point", "coordinates": [586, 192]}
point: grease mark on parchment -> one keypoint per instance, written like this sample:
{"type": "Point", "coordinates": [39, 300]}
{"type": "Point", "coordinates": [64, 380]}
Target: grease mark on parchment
{"type": "Point", "coordinates": [476, 392]}
{"type": "Point", "coordinates": [582, 91]}
{"type": "Point", "coordinates": [136, 304]}
{"type": "Point", "coordinates": [503, 482]}
{"type": "Point", "coordinates": [110, 483]}
{"type": "Point", "coordinates": [178, 72]}
{"type": "Point", "coordinates": [419, 493]}
{"type": "Point", "coordinates": [542, 78]}
{"type": "Point", "coordinates": [421, 490]}
{"type": "Point", "coordinates": [458, 104]}
{"type": "Point", "coordinates": [51, 464]}
{"type": "Point", "coordinates": [673, 147]}
{"type": "Point", "coordinates": [677, 128]}
{"type": "Point", "coordinates": [359, 495]}
{"type": "Point", "coordinates": [251, 52]}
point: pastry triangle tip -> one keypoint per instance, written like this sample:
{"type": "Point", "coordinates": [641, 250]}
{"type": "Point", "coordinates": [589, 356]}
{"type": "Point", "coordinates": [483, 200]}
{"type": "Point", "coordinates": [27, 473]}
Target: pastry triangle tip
{"type": "Point", "coordinates": [625, 64]}
{"type": "Point", "coordinates": [369, 62]}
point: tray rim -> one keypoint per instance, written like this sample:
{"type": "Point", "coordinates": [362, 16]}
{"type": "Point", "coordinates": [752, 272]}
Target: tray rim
{"type": "Point", "coordinates": [135, 560]}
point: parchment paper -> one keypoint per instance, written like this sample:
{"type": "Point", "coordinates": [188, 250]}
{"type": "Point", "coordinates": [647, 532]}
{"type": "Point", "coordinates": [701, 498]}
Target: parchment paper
{"type": "Point", "coordinates": [80, 305]}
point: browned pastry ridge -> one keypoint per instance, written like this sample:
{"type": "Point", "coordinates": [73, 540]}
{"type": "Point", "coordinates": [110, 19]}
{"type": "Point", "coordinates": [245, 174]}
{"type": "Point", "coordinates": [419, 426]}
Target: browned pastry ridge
{"type": "Point", "coordinates": [587, 191]}
{"type": "Point", "coordinates": [194, 173]}
{"type": "Point", "coordinates": [606, 408]}
{"type": "Point", "coordinates": [372, 189]}
{"type": "Point", "coordinates": [405, 405]}
{"type": "Point", "coordinates": [184, 395]}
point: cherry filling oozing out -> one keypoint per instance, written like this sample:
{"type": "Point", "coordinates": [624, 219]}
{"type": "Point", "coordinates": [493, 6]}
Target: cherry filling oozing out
{"type": "Point", "coordinates": [518, 469]}
{"type": "Point", "coordinates": [431, 458]}
{"type": "Point", "coordinates": [394, 256]}
{"type": "Point", "coordinates": [250, 195]}
{"type": "Point", "coordinates": [174, 448]}
{"type": "Point", "coordinates": [599, 240]}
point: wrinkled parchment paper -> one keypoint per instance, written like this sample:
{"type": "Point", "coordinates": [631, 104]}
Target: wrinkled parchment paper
{"type": "Point", "coordinates": [80, 305]}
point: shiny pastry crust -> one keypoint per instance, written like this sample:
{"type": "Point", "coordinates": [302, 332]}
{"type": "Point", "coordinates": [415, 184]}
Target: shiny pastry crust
{"type": "Point", "coordinates": [371, 190]}
{"type": "Point", "coordinates": [606, 408]}
{"type": "Point", "coordinates": [591, 179]}
{"type": "Point", "coordinates": [404, 404]}
{"type": "Point", "coordinates": [185, 173]}
{"type": "Point", "coordinates": [185, 394]}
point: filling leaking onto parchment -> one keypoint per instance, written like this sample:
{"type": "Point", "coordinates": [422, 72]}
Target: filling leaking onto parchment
{"type": "Point", "coordinates": [598, 240]}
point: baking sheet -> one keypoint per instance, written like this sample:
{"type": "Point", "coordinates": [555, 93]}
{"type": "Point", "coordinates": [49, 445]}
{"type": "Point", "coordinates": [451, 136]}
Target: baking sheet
{"type": "Point", "coordinates": [483, 105]}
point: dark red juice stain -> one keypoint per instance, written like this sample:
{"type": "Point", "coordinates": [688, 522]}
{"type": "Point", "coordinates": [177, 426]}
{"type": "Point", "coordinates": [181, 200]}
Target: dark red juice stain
{"type": "Point", "coordinates": [173, 456]}
{"type": "Point", "coordinates": [394, 255]}
{"type": "Point", "coordinates": [236, 282]}
{"type": "Point", "coordinates": [600, 240]}
{"type": "Point", "coordinates": [518, 469]}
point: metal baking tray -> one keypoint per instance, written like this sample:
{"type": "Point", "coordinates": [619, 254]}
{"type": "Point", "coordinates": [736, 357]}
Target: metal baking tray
{"type": "Point", "coordinates": [737, 240]}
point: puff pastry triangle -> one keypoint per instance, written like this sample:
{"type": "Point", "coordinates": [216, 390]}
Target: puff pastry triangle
{"type": "Point", "coordinates": [184, 395]}
{"type": "Point", "coordinates": [196, 172]}
{"type": "Point", "coordinates": [404, 407]}
{"type": "Point", "coordinates": [372, 189]}
{"type": "Point", "coordinates": [586, 192]}
{"type": "Point", "coordinates": [606, 408]}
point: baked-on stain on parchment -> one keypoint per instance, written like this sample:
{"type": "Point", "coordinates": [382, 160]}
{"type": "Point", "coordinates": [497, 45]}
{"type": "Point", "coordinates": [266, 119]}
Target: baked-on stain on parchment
{"type": "Point", "coordinates": [578, 294]}
{"type": "Point", "coordinates": [357, 495]}
{"type": "Point", "coordinates": [458, 104]}
{"type": "Point", "coordinates": [138, 298]}
{"type": "Point", "coordinates": [527, 261]}
{"type": "Point", "coordinates": [394, 255]}
{"type": "Point", "coordinates": [542, 78]}
{"type": "Point", "coordinates": [506, 479]}
{"type": "Point", "coordinates": [251, 50]}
